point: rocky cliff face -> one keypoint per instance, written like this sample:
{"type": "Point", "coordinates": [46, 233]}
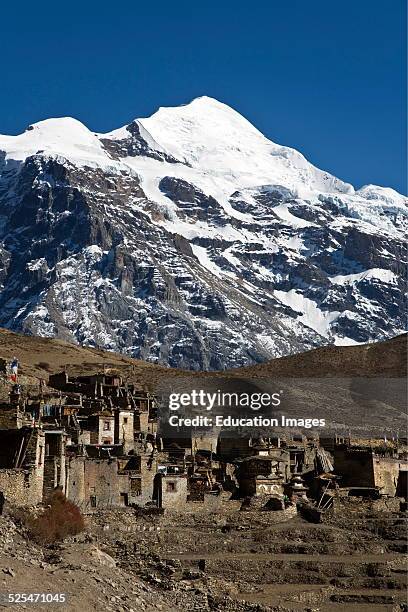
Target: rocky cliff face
{"type": "Point", "coordinates": [189, 239]}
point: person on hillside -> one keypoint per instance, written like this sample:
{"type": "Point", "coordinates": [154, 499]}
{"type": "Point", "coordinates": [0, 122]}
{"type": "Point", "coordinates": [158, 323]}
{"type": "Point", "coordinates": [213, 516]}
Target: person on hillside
{"type": "Point", "coordinates": [14, 369]}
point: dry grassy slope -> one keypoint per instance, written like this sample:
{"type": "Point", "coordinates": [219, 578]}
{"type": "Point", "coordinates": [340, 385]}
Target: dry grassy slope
{"type": "Point", "coordinates": [387, 359]}
{"type": "Point", "coordinates": [41, 356]}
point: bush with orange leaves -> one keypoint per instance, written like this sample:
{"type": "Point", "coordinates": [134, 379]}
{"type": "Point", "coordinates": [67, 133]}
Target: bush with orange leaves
{"type": "Point", "coordinates": [62, 518]}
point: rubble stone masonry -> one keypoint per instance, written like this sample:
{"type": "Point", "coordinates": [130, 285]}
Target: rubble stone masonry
{"type": "Point", "coordinates": [23, 486]}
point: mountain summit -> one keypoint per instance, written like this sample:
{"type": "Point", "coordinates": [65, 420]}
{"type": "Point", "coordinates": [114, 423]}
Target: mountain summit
{"type": "Point", "coordinates": [189, 239]}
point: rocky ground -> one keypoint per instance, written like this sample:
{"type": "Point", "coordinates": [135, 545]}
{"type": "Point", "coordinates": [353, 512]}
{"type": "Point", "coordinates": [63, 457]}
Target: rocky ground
{"type": "Point", "coordinates": [98, 571]}
{"type": "Point", "coordinates": [232, 560]}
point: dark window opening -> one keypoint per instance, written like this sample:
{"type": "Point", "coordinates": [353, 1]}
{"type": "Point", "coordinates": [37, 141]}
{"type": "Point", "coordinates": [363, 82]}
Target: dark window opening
{"type": "Point", "coordinates": [171, 487]}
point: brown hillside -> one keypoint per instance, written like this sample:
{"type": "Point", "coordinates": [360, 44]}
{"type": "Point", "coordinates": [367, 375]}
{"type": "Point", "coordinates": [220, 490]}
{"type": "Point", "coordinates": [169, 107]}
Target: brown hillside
{"type": "Point", "coordinates": [41, 356]}
{"type": "Point", "coordinates": [387, 359]}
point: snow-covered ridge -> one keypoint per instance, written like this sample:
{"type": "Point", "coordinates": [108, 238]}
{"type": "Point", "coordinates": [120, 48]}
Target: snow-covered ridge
{"type": "Point", "coordinates": [226, 151]}
{"type": "Point", "coordinates": [213, 137]}
{"type": "Point", "coordinates": [206, 134]}
{"type": "Point", "coordinates": [190, 239]}
{"type": "Point", "coordinates": [64, 136]}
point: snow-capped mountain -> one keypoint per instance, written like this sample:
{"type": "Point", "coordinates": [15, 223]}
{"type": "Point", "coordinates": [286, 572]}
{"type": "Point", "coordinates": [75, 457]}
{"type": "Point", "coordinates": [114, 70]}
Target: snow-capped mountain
{"type": "Point", "coordinates": [190, 239]}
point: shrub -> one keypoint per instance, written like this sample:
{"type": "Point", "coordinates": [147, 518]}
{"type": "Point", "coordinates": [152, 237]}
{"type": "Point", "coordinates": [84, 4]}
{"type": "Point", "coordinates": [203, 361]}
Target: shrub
{"type": "Point", "coordinates": [61, 519]}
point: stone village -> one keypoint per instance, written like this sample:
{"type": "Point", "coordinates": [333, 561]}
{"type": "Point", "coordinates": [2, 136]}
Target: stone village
{"type": "Point", "coordinates": [95, 438]}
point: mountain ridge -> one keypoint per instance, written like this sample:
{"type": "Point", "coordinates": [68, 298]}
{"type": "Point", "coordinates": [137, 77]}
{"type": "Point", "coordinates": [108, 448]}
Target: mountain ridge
{"type": "Point", "coordinates": [72, 129]}
{"type": "Point", "coordinates": [190, 239]}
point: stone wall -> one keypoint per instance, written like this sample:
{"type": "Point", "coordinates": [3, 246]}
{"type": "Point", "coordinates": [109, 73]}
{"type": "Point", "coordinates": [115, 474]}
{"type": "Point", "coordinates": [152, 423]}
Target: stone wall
{"type": "Point", "coordinates": [141, 422]}
{"type": "Point", "coordinates": [106, 430]}
{"type": "Point", "coordinates": [21, 487]}
{"type": "Point", "coordinates": [9, 418]}
{"type": "Point", "coordinates": [76, 480]}
{"type": "Point", "coordinates": [98, 483]}
{"type": "Point", "coordinates": [54, 462]}
{"type": "Point", "coordinates": [93, 483]}
{"type": "Point", "coordinates": [147, 475]}
{"type": "Point", "coordinates": [354, 466]}
{"type": "Point", "coordinates": [387, 472]}
{"type": "Point", "coordinates": [268, 487]}
{"type": "Point", "coordinates": [124, 429]}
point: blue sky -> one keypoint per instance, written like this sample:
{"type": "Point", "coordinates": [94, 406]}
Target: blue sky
{"type": "Point", "coordinates": [325, 77]}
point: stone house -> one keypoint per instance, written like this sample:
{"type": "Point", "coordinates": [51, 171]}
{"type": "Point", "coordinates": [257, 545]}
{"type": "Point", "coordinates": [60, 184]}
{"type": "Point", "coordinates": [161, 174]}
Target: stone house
{"type": "Point", "coordinates": [102, 482]}
{"type": "Point", "coordinates": [170, 490]}
{"type": "Point", "coordinates": [101, 426]}
{"type": "Point", "coordinates": [362, 467]}
{"type": "Point", "coordinates": [22, 465]}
